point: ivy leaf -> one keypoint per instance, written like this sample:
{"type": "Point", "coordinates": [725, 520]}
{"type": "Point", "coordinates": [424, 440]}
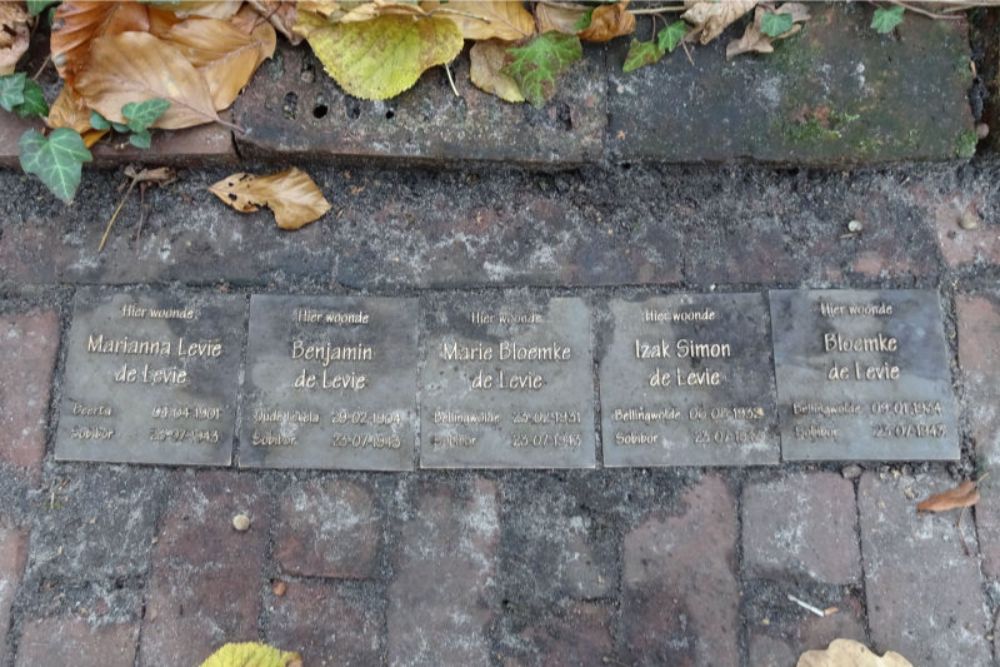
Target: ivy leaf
{"type": "Point", "coordinates": [775, 25]}
{"type": "Point", "coordinates": [536, 65]}
{"type": "Point", "coordinates": [34, 103]}
{"type": "Point", "coordinates": [641, 54]}
{"type": "Point", "coordinates": [670, 37]}
{"type": "Point", "coordinates": [141, 139]}
{"type": "Point", "coordinates": [252, 654]}
{"type": "Point", "coordinates": [12, 90]}
{"type": "Point", "coordinates": [36, 7]}
{"type": "Point", "coordinates": [99, 122]}
{"type": "Point", "coordinates": [584, 21]}
{"type": "Point", "coordinates": [886, 20]}
{"type": "Point", "coordinates": [57, 159]}
{"type": "Point", "coordinates": [141, 115]}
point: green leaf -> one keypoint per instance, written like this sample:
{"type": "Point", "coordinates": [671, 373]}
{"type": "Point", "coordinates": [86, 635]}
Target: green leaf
{"type": "Point", "coordinates": [36, 7]}
{"type": "Point", "coordinates": [669, 37]}
{"type": "Point", "coordinates": [12, 90]}
{"type": "Point", "coordinates": [141, 139]}
{"type": "Point", "coordinates": [775, 25]}
{"type": "Point", "coordinates": [584, 21]}
{"type": "Point", "coordinates": [536, 65]}
{"type": "Point", "coordinates": [641, 54]}
{"type": "Point", "coordinates": [34, 103]}
{"type": "Point", "coordinates": [886, 19]}
{"type": "Point", "coordinates": [57, 159]}
{"type": "Point", "coordinates": [99, 122]}
{"type": "Point", "coordinates": [119, 128]}
{"type": "Point", "coordinates": [140, 115]}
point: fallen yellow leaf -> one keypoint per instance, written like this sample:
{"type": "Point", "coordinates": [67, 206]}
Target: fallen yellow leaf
{"type": "Point", "coordinates": [487, 19]}
{"type": "Point", "coordinates": [849, 653]}
{"type": "Point", "coordinates": [964, 495]}
{"type": "Point", "coordinates": [136, 66]}
{"type": "Point", "coordinates": [488, 59]}
{"type": "Point", "coordinates": [608, 22]}
{"type": "Point", "coordinates": [252, 654]}
{"type": "Point", "coordinates": [292, 196]}
{"type": "Point", "coordinates": [381, 57]}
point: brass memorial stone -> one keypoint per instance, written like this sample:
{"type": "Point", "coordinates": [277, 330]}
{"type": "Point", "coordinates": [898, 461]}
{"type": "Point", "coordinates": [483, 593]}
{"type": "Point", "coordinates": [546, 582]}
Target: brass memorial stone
{"type": "Point", "coordinates": [507, 382]}
{"type": "Point", "coordinates": [863, 375]}
{"type": "Point", "coordinates": [151, 378]}
{"type": "Point", "coordinates": [687, 379]}
{"type": "Point", "coordinates": [331, 382]}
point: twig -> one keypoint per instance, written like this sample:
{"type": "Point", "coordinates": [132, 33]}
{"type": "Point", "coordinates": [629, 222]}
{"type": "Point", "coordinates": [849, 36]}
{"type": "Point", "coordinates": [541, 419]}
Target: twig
{"type": "Point", "coordinates": [807, 606]}
{"type": "Point", "coordinates": [687, 52]}
{"type": "Point", "coordinates": [656, 10]}
{"type": "Point", "coordinates": [114, 216]}
{"type": "Point", "coordinates": [917, 10]}
{"type": "Point", "coordinates": [142, 214]}
{"type": "Point", "coordinates": [447, 71]}
{"type": "Point", "coordinates": [45, 63]}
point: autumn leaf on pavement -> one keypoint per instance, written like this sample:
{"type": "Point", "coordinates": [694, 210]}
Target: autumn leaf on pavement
{"type": "Point", "coordinates": [565, 17]}
{"type": "Point", "coordinates": [14, 35]}
{"type": "Point", "coordinates": [965, 494]}
{"type": "Point", "coordinates": [382, 57]}
{"type": "Point", "coordinates": [487, 62]}
{"type": "Point", "coordinates": [886, 19]}
{"type": "Point", "coordinates": [538, 64]}
{"type": "Point", "coordinates": [225, 55]}
{"type": "Point", "coordinates": [769, 26]}
{"type": "Point", "coordinates": [282, 15]}
{"type": "Point", "coordinates": [251, 654]}
{"type": "Point", "coordinates": [487, 19]}
{"type": "Point", "coordinates": [849, 653]}
{"type": "Point", "coordinates": [76, 25]}
{"type": "Point", "coordinates": [641, 54]}
{"type": "Point", "coordinates": [608, 22]}
{"type": "Point", "coordinates": [711, 17]}
{"type": "Point", "coordinates": [293, 197]}
{"type": "Point", "coordinates": [56, 159]}
{"type": "Point", "coordinates": [137, 66]}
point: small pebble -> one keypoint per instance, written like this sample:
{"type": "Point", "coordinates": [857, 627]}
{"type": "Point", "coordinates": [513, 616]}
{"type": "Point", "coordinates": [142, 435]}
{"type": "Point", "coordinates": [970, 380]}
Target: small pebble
{"type": "Point", "coordinates": [852, 471]}
{"type": "Point", "coordinates": [279, 588]}
{"type": "Point", "coordinates": [241, 522]}
{"type": "Point", "coordinates": [969, 220]}
{"type": "Point", "coordinates": [982, 130]}
{"type": "Point", "coordinates": [855, 226]}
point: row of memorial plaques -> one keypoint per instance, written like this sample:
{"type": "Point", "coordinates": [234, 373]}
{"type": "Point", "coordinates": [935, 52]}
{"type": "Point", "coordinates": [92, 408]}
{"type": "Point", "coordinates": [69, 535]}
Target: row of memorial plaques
{"type": "Point", "coordinates": [507, 380]}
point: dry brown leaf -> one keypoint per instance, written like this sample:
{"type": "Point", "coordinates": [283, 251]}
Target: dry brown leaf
{"type": "Point", "coordinates": [213, 9]}
{"type": "Point", "coordinates": [370, 10]}
{"type": "Point", "coordinates": [608, 22]}
{"type": "Point", "coordinates": [281, 15]}
{"type": "Point", "coordinates": [965, 494]}
{"type": "Point", "coordinates": [755, 41]}
{"type": "Point", "coordinates": [226, 56]}
{"type": "Point", "coordinates": [849, 653]}
{"type": "Point", "coordinates": [488, 59]}
{"type": "Point", "coordinates": [293, 197]}
{"type": "Point", "coordinates": [487, 19]}
{"type": "Point", "coordinates": [561, 17]}
{"type": "Point", "coordinates": [69, 110]}
{"type": "Point", "coordinates": [15, 33]}
{"type": "Point", "coordinates": [77, 24]}
{"type": "Point", "coordinates": [711, 17]}
{"type": "Point", "coordinates": [136, 66]}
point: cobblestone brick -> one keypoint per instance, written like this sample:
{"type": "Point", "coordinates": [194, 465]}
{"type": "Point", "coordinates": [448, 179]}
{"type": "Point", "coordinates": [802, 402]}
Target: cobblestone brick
{"type": "Point", "coordinates": [440, 601]}
{"type": "Point", "coordinates": [13, 552]}
{"type": "Point", "coordinates": [780, 631]}
{"type": "Point", "coordinates": [681, 597]}
{"type": "Point", "coordinates": [70, 642]}
{"type": "Point", "coordinates": [802, 525]}
{"type": "Point", "coordinates": [328, 529]}
{"type": "Point", "coordinates": [925, 595]}
{"type": "Point", "coordinates": [582, 636]}
{"type": "Point", "coordinates": [979, 359]}
{"type": "Point", "coordinates": [327, 625]}
{"type": "Point", "coordinates": [206, 577]}
{"type": "Point", "coordinates": [963, 245]}
{"type": "Point", "coordinates": [28, 344]}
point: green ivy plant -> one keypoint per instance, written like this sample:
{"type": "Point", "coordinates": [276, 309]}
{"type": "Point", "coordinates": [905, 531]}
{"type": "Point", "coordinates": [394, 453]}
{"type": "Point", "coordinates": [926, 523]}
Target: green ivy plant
{"type": "Point", "coordinates": [139, 116]}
